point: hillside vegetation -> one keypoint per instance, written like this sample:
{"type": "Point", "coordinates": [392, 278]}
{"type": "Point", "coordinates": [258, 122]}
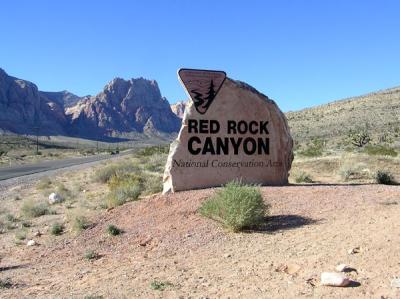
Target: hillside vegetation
{"type": "Point", "coordinates": [376, 113]}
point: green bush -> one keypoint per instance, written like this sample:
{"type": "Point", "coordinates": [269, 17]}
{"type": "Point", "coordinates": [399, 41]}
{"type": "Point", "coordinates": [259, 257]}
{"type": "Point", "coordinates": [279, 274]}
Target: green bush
{"type": "Point", "coordinates": [123, 188]}
{"type": "Point", "coordinates": [303, 178]}
{"type": "Point", "coordinates": [63, 191]}
{"type": "Point", "coordinates": [57, 229]}
{"type": "Point", "coordinates": [91, 255]}
{"type": "Point", "coordinates": [6, 283]}
{"type": "Point", "coordinates": [380, 150]}
{"type": "Point", "coordinates": [153, 150]}
{"type": "Point", "coordinates": [113, 230]}
{"type": "Point", "coordinates": [152, 184]}
{"type": "Point", "coordinates": [31, 209]}
{"type": "Point", "coordinates": [313, 149]}
{"type": "Point", "coordinates": [160, 285]}
{"type": "Point", "coordinates": [80, 223]}
{"type": "Point", "coordinates": [237, 206]}
{"type": "Point", "coordinates": [105, 174]}
{"type": "Point", "coordinates": [385, 178]}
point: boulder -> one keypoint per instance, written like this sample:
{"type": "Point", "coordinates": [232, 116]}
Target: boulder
{"type": "Point", "coordinates": [240, 134]}
{"type": "Point", "coordinates": [55, 198]}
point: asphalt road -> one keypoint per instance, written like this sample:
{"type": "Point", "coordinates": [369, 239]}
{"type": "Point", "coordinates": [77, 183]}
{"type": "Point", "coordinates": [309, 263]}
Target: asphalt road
{"type": "Point", "coordinates": [21, 170]}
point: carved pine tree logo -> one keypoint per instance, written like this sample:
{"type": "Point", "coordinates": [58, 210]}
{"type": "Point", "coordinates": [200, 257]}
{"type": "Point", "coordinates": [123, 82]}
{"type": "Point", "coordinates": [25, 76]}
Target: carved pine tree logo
{"type": "Point", "coordinates": [203, 103]}
{"type": "Point", "coordinates": [202, 86]}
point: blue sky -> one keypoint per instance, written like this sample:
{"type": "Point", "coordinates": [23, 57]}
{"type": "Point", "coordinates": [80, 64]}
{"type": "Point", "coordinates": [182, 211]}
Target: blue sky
{"type": "Point", "coordinates": [300, 53]}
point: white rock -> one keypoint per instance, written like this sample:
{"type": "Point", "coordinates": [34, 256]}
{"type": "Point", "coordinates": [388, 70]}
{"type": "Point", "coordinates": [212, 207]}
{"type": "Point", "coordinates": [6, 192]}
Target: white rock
{"type": "Point", "coordinates": [341, 267]}
{"type": "Point", "coordinates": [31, 243]}
{"type": "Point", "coordinates": [334, 279]}
{"type": "Point", "coordinates": [55, 198]}
{"type": "Point", "coordinates": [395, 283]}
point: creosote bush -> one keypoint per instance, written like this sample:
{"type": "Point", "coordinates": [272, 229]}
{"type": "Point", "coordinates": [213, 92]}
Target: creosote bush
{"type": "Point", "coordinates": [385, 178]}
{"type": "Point", "coordinates": [57, 229]}
{"type": "Point", "coordinates": [160, 285]}
{"type": "Point", "coordinates": [237, 206]}
{"type": "Point", "coordinates": [113, 230]}
{"type": "Point", "coordinates": [303, 178]}
{"type": "Point", "coordinates": [80, 223]}
{"type": "Point", "coordinates": [31, 209]}
{"type": "Point", "coordinates": [91, 255]}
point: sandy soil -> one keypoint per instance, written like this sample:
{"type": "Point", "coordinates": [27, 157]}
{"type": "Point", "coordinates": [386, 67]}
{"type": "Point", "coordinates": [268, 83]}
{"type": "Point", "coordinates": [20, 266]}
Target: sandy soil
{"type": "Point", "coordinates": [311, 229]}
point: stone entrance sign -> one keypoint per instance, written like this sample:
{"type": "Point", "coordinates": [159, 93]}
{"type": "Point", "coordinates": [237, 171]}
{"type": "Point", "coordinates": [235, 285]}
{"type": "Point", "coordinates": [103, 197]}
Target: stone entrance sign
{"type": "Point", "coordinates": [229, 131]}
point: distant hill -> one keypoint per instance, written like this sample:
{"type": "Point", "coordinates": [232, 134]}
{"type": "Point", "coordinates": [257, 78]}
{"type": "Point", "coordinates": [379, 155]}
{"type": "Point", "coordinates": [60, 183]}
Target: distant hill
{"type": "Point", "coordinates": [377, 112]}
{"type": "Point", "coordinates": [125, 108]}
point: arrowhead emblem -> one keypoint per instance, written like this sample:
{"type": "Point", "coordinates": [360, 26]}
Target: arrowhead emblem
{"type": "Point", "coordinates": [202, 86]}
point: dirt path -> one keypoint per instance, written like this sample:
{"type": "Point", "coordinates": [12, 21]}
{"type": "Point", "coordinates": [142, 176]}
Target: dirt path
{"type": "Point", "coordinates": [311, 230]}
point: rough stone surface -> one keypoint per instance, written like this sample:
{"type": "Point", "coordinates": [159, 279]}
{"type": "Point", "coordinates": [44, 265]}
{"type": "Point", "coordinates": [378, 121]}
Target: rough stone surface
{"type": "Point", "coordinates": [179, 108]}
{"type": "Point", "coordinates": [334, 279]}
{"type": "Point", "coordinates": [124, 107]}
{"type": "Point", "coordinates": [240, 102]}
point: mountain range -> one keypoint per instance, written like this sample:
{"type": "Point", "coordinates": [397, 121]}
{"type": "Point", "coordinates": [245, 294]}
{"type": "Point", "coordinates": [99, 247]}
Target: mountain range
{"type": "Point", "coordinates": [123, 108]}
{"type": "Point", "coordinates": [135, 107]}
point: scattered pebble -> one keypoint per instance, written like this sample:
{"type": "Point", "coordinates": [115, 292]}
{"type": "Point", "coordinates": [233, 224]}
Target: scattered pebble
{"type": "Point", "coordinates": [354, 250]}
{"type": "Point", "coordinates": [334, 279]}
{"type": "Point", "coordinates": [227, 255]}
{"type": "Point", "coordinates": [31, 243]}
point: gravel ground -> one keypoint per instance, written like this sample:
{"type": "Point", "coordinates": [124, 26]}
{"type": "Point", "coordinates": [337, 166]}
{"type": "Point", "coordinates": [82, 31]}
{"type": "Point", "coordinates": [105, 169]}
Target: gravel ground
{"type": "Point", "coordinates": [167, 243]}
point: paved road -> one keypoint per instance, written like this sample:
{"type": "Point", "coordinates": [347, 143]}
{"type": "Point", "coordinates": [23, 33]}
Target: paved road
{"type": "Point", "coordinates": [22, 170]}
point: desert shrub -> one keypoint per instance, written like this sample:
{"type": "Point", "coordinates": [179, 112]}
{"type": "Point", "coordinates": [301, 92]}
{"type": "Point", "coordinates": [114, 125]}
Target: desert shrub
{"type": "Point", "coordinates": [122, 194]}
{"type": "Point", "coordinates": [237, 206]}
{"type": "Point", "coordinates": [93, 297]}
{"type": "Point", "coordinates": [57, 229]}
{"type": "Point", "coordinates": [11, 218]}
{"type": "Point", "coordinates": [314, 149]}
{"type": "Point", "coordinates": [152, 184]}
{"type": "Point", "coordinates": [91, 255]}
{"type": "Point", "coordinates": [380, 150]}
{"type": "Point", "coordinates": [160, 285]}
{"type": "Point", "coordinates": [103, 175]}
{"type": "Point", "coordinates": [44, 183]}
{"type": "Point", "coordinates": [359, 137]}
{"type": "Point", "coordinates": [63, 191]}
{"type": "Point", "coordinates": [33, 209]}
{"type": "Point", "coordinates": [303, 178]}
{"type": "Point", "coordinates": [155, 163]}
{"type": "Point", "coordinates": [357, 171]}
{"type": "Point", "coordinates": [20, 235]}
{"type": "Point", "coordinates": [6, 283]}
{"type": "Point", "coordinates": [113, 230]}
{"type": "Point", "coordinates": [123, 187]}
{"type": "Point", "coordinates": [385, 178]}
{"type": "Point", "coordinates": [153, 150]}
{"type": "Point", "coordinates": [80, 223]}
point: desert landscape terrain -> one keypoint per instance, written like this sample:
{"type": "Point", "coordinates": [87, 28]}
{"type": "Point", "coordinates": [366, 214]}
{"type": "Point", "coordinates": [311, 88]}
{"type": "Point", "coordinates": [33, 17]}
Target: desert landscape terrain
{"type": "Point", "coordinates": [167, 249]}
